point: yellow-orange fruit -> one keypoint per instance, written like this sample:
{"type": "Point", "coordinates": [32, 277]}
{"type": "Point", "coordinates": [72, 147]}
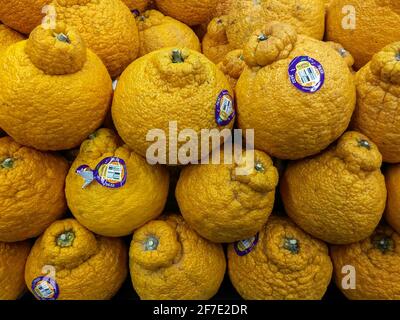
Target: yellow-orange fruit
{"type": "Point", "coordinates": [281, 263]}
{"type": "Point", "coordinates": [116, 211]}
{"type": "Point", "coordinates": [215, 44]}
{"type": "Point", "coordinates": [243, 17]}
{"type": "Point", "coordinates": [224, 205]}
{"type": "Point", "coordinates": [140, 5]}
{"type": "Point", "coordinates": [55, 92]}
{"type": "Point", "coordinates": [232, 66]}
{"type": "Point", "coordinates": [392, 213]}
{"type": "Point", "coordinates": [369, 269]}
{"type": "Point", "coordinates": [31, 190]}
{"type": "Point", "coordinates": [339, 195]}
{"type": "Point", "coordinates": [190, 12]}
{"type": "Point", "coordinates": [297, 93]}
{"type": "Point", "coordinates": [192, 92]}
{"type": "Point", "coordinates": [80, 265]}
{"type": "Point", "coordinates": [12, 266]}
{"type": "Point", "coordinates": [170, 261]}
{"type": "Point", "coordinates": [346, 55]}
{"type": "Point", "coordinates": [352, 23]}
{"type": "Point", "coordinates": [8, 36]}
{"type": "Point", "coordinates": [378, 98]}
{"type": "Point", "coordinates": [23, 15]}
{"type": "Point", "coordinates": [157, 31]}
{"type": "Point", "coordinates": [108, 28]}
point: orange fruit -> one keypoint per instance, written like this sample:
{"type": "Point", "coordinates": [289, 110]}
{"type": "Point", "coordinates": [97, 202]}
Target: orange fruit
{"type": "Point", "coordinates": [232, 66]}
{"type": "Point", "coordinates": [352, 24]}
{"type": "Point", "coordinates": [114, 212]}
{"type": "Point", "coordinates": [378, 97]}
{"type": "Point", "coordinates": [339, 195]}
{"type": "Point", "coordinates": [297, 93]}
{"type": "Point", "coordinates": [281, 262]}
{"type": "Point", "coordinates": [23, 15]}
{"type": "Point", "coordinates": [190, 12]}
{"type": "Point", "coordinates": [140, 5]}
{"type": "Point", "coordinates": [27, 207]}
{"type": "Point", "coordinates": [12, 266]}
{"type": "Point", "coordinates": [157, 31]}
{"type": "Point", "coordinates": [55, 93]}
{"type": "Point", "coordinates": [346, 55]}
{"type": "Point", "coordinates": [215, 43]}
{"type": "Point", "coordinates": [190, 89]}
{"type": "Point", "coordinates": [223, 7]}
{"type": "Point", "coordinates": [375, 266]}
{"type": "Point", "coordinates": [8, 36]}
{"type": "Point", "coordinates": [223, 206]}
{"type": "Point", "coordinates": [108, 28]}
{"type": "Point", "coordinates": [170, 261]}
{"type": "Point", "coordinates": [75, 264]}
{"type": "Point", "coordinates": [306, 16]}
{"type": "Point", "coordinates": [246, 16]}
{"type": "Point", "coordinates": [392, 213]}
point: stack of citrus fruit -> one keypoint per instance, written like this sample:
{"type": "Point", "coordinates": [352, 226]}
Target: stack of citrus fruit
{"type": "Point", "coordinates": [168, 144]}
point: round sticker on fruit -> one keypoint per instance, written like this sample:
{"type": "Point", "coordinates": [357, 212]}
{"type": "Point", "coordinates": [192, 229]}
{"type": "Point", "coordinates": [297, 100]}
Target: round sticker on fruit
{"type": "Point", "coordinates": [224, 109]}
{"type": "Point", "coordinates": [244, 247]}
{"type": "Point", "coordinates": [45, 288]}
{"type": "Point", "coordinates": [111, 172]}
{"type": "Point", "coordinates": [306, 74]}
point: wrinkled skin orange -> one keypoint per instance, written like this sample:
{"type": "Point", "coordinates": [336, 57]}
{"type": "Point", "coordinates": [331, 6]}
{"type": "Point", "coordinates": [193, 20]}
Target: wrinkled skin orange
{"type": "Point", "coordinates": [243, 17]}
{"type": "Point", "coordinates": [339, 195]}
{"type": "Point", "coordinates": [373, 18]}
{"type": "Point", "coordinates": [375, 262]}
{"type": "Point", "coordinates": [224, 206]}
{"type": "Point", "coordinates": [22, 15]}
{"type": "Point", "coordinates": [346, 55]}
{"type": "Point", "coordinates": [84, 266]}
{"type": "Point", "coordinates": [215, 44]}
{"type": "Point", "coordinates": [289, 123]}
{"type": "Point", "coordinates": [108, 28]}
{"type": "Point", "coordinates": [157, 31]}
{"type": "Point", "coordinates": [170, 261]}
{"type": "Point", "coordinates": [140, 5]}
{"type": "Point", "coordinates": [27, 207]}
{"type": "Point", "coordinates": [12, 266]}
{"type": "Point", "coordinates": [392, 213]}
{"type": "Point", "coordinates": [285, 264]}
{"type": "Point", "coordinates": [378, 98]}
{"type": "Point", "coordinates": [115, 212]}
{"type": "Point", "coordinates": [190, 12]}
{"type": "Point", "coordinates": [55, 92]}
{"type": "Point", "coordinates": [232, 66]}
{"type": "Point", "coordinates": [8, 36]}
{"type": "Point", "coordinates": [306, 16]}
{"type": "Point", "coordinates": [184, 82]}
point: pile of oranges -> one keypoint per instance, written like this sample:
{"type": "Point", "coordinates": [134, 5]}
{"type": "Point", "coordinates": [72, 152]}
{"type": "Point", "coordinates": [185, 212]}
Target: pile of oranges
{"type": "Point", "coordinates": [90, 90]}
